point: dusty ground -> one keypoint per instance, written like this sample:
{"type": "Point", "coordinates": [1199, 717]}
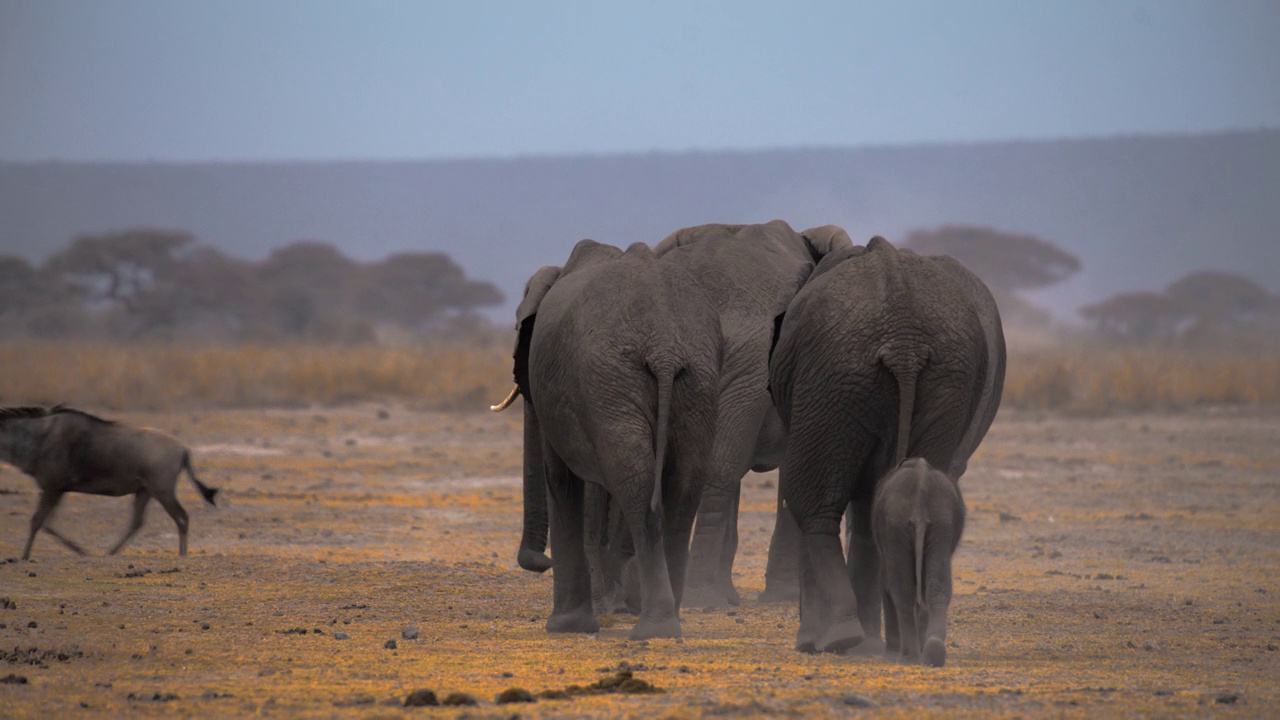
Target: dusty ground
{"type": "Point", "coordinates": [1116, 566]}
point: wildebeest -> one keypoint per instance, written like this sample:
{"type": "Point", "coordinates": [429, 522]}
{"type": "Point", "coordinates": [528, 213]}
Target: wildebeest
{"type": "Point", "coordinates": [68, 450]}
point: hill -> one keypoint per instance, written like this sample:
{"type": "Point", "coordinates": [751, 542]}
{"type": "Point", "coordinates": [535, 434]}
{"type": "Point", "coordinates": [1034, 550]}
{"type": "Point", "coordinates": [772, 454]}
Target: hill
{"type": "Point", "coordinates": [1138, 211]}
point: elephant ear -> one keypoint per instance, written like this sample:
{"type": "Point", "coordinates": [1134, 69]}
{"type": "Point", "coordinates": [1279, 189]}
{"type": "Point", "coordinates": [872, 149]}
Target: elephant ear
{"type": "Point", "coordinates": [824, 240]}
{"type": "Point", "coordinates": [526, 313]}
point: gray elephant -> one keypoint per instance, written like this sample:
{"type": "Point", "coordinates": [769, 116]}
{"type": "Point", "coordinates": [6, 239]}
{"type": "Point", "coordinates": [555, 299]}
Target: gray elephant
{"type": "Point", "coordinates": [916, 521]}
{"type": "Point", "coordinates": [883, 354]}
{"type": "Point", "coordinates": [750, 273]}
{"type": "Point", "coordinates": [618, 359]}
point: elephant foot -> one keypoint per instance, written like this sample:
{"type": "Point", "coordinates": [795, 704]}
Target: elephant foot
{"type": "Point", "coordinates": [532, 560]}
{"type": "Point", "coordinates": [935, 652]}
{"type": "Point", "coordinates": [655, 628]}
{"type": "Point", "coordinates": [841, 636]}
{"type": "Point", "coordinates": [581, 621]}
{"type": "Point", "coordinates": [869, 647]}
{"type": "Point", "coordinates": [710, 597]}
{"type": "Point", "coordinates": [807, 640]}
{"type": "Point", "coordinates": [776, 594]}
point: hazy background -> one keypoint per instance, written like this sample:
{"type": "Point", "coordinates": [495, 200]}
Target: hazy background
{"type": "Point", "coordinates": [1139, 136]}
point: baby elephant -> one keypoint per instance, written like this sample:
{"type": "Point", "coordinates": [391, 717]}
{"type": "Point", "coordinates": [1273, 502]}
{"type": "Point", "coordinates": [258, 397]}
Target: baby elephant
{"type": "Point", "coordinates": [66, 450]}
{"type": "Point", "coordinates": [916, 522]}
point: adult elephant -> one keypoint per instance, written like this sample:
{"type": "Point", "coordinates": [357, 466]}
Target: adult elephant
{"type": "Point", "coordinates": [618, 359]}
{"type": "Point", "coordinates": [883, 355]}
{"type": "Point", "coordinates": [750, 273]}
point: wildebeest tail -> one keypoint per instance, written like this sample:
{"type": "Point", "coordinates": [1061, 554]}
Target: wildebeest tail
{"type": "Point", "coordinates": [206, 492]}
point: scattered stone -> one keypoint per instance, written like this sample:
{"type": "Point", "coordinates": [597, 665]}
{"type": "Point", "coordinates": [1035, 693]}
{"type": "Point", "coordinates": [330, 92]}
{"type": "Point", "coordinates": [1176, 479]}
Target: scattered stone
{"type": "Point", "coordinates": [215, 695]}
{"type": "Point", "coordinates": [554, 695]}
{"type": "Point", "coordinates": [383, 414]}
{"type": "Point", "coordinates": [354, 606]}
{"type": "Point", "coordinates": [156, 697]}
{"type": "Point", "coordinates": [204, 626]}
{"type": "Point", "coordinates": [7, 604]}
{"type": "Point", "coordinates": [341, 636]}
{"type": "Point", "coordinates": [389, 645]}
{"type": "Point", "coordinates": [33, 624]}
{"type": "Point", "coordinates": [1008, 517]}
{"type": "Point", "coordinates": [12, 679]}
{"type": "Point", "coordinates": [459, 698]}
{"type": "Point", "coordinates": [1104, 576]}
{"type": "Point", "coordinates": [1226, 698]}
{"type": "Point", "coordinates": [409, 633]}
{"type": "Point", "coordinates": [514, 695]}
{"type": "Point", "coordinates": [421, 698]}
{"type": "Point", "coordinates": [293, 631]}
{"type": "Point", "coordinates": [856, 700]}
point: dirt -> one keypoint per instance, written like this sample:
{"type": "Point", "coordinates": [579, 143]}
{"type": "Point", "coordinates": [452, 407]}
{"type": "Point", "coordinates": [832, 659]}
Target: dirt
{"type": "Point", "coordinates": [1118, 565]}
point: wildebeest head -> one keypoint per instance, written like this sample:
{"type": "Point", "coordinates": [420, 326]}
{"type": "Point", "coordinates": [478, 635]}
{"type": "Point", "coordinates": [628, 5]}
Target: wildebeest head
{"type": "Point", "coordinates": [20, 431]}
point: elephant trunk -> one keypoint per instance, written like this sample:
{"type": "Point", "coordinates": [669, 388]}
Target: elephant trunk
{"type": "Point", "coordinates": [533, 543]}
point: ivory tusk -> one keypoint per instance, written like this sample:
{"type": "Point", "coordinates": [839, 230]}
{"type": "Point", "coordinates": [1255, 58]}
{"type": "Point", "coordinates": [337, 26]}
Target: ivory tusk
{"type": "Point", "coordinates": [506, 403]}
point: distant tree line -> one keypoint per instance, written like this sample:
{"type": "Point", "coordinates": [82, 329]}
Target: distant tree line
{"type": "Point", "coordinates": [1204, 308]}
{"type": "Point", "coordinates": [161, 284]}
{"type": "Point", "coordinates": [158, 284]}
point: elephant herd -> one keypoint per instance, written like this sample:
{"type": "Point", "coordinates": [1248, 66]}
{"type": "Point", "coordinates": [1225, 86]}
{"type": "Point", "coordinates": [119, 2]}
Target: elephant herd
{"type": "Point", "coordinates": [654, 379]}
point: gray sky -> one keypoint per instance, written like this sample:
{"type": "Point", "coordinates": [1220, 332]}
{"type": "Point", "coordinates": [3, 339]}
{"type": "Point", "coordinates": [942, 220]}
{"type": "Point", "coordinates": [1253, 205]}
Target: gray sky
{"type": "Point", "coordinates": [309, 79]}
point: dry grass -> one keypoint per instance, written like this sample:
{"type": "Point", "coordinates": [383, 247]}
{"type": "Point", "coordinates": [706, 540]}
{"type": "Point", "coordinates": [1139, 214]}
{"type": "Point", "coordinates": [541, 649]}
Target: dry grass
{"type": "Point", "coordinates": [158, 377]}
{"type": "Point", "coordinates": [163, 376]}
{"type": "Point", "coordinates": [1100, 380]}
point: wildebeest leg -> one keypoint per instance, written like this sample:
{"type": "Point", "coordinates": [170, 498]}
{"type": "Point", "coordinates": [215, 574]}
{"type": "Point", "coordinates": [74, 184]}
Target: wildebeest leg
{"type": "Point", "coordinates": [71, 545]}
{"type": "Point", "coordinates": [45, 505]}
{"type": "Point", "coordinates": [170, 503]}
{"type": "Point", "coordinates": [139, 513]}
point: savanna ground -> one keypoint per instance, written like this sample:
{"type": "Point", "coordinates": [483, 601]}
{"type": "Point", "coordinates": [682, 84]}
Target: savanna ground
{"type": "Point", "coordinates": [1115, 563]}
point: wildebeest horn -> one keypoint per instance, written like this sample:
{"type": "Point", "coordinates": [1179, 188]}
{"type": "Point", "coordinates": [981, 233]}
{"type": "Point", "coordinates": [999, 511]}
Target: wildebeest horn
{"type": "Point", "coordinates": [506, 403]}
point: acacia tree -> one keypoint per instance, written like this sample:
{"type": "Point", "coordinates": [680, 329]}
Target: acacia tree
{"type": "Point", "coordinates": [1140, 316]}
{"type": "Point", "coordinates": [1201, 306]}
{"type": "Point", "coordinates": [1008, 263]}
{"type": "Point", "coordinates": [419, 289]}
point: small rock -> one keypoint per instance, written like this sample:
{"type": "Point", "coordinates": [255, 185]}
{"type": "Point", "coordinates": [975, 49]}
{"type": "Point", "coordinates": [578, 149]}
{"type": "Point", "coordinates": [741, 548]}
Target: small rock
{"type": "Point", "coordinates": [459, 698]}
{"type": "Point", "coordinates": [514, 695]}
{"type": "Point", "coordinates": [856, 700]}
{"type": "Point", "coordinates": [204, 626]}
{"type": "Point", "coordinates": [383, 414]}
{"type": "Point", "coordinates": [409, 633]}
{"type": "Point", "coordinates": [1226, 698]}
{"type": "Point", "coordinates": [12, 679]}
{"type": "Point", "coordinates": [1008, 517]}
{"type": "Point", "coordinates": [389, 645]}
{"type": "Point", "coordinates": [341, 636]}
{"type": "Point", "coordinates": [33, 624]}
{"type": "Point", "coordinates": [421, 698]}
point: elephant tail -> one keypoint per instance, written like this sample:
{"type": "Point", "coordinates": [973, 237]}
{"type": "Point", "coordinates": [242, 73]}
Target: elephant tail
{"type": "Point", "coordinates": [905, 367]}
{"type": "Point", "coordinates": [665, 376]}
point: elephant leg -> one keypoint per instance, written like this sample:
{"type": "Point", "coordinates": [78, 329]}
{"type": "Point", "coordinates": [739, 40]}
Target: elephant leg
{"type": "Point", "coordinates": [815, 482]}
{"type": "Point", "coordinates": [595, 541]}
{"type": "Point", "coordinates": [863, 571]}
{"type": "Point", "coordinates": [899, 583]}
{"type": "Point", "coordinates": [571, 581]}
{"type": "Point", "coordinates": [715, 539]}
{"type": "Point", "coordinates": [658, 614]}
{"type": "Point", "coordinates": [782, 572]}
{"type": "Point", "coordinates": [937, 594]}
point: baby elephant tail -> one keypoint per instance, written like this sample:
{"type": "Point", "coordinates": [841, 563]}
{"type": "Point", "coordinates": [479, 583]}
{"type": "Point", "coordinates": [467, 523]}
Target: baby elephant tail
{"type": "Point", "coordinates": [206, 492]}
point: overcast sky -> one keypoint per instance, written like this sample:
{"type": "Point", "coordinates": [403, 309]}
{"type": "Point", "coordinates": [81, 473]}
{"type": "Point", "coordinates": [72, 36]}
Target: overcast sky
{"type": "Point", "coordinates": [306, 79]}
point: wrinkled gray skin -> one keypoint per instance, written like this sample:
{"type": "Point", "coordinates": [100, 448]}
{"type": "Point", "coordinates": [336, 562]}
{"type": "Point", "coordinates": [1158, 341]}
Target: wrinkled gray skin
{"type": "Point", "coordinates": [66, 450]}
{"type": "Point", "coordinates": [916, 521]}
{"type": "Point", "coordinates": [750, 272]}
{"type": "Point", "coordinates": [882, 355]}
{"type": "Point", "coordinates": [618, 359]}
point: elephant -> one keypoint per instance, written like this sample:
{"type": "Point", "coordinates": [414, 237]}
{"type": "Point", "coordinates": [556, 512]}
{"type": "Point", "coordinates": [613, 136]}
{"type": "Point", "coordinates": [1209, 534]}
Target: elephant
{"type": "Point", "coordinates": [917, 519]}
{"type": "Point", "coordinates": [618, 358]}
{"type": "Point", "coordinates": [750, 272]}
{"type": "Point", "coordinates": [882, 355]}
